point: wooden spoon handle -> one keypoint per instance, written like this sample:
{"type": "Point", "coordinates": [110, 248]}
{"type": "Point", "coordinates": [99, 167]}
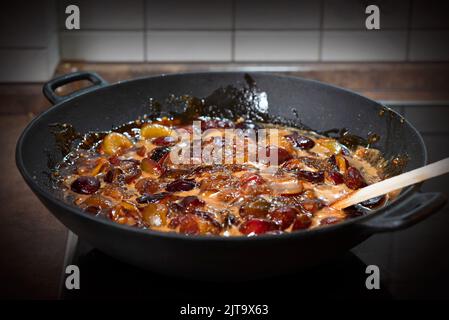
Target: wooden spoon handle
{"type": "Point", "coordinates": [394, 183]}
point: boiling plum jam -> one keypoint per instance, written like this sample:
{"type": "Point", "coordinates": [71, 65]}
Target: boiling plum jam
{"type": "Point", "coordinates": [134, 177]}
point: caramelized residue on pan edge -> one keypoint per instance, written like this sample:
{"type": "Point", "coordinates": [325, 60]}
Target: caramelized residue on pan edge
{"type": "Point", "coordinates": [127, 175]}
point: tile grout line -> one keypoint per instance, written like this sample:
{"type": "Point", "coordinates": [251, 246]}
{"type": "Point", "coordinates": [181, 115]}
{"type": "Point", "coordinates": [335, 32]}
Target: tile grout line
{"type": "Point", "coordinates": [320, 44]}
{"type": "Point", "coordinates": [145, 53]}
{"type": "Point", "coordinates": [409, 30]}
{"type": "Point", "coordinates": [84, 30]}
{"type": "Point", "coordinates": [233, 22]}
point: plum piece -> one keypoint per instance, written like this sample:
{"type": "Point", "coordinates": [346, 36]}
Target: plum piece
{"type": "Point", "coordinates": [95, 203]}
{"type": "Point", "coordinates": [292, 165]}
{"type": "Point", "coordinates": [300, 141]}
{"type": "Point", "coordinates": [218, 182]}
{"type": "Point", "coordinates": [141, 151]}
{"type": "Point", "coordinates": [131, 169]}
{"type": "Point", "coordinates": [315, 163]}
{"type": "Point", "coordinates": [188, 224]}
{"type": "Point", "coordinates": [330, 144]}
{"type": "Point", "coordinates": [152, 198]}
{"type": "Point", "coordinates": [151, 167]}
{"type": "Point", "coordinates": [282, 154]}
{"type": "Point", "coordinates": [164, 141]}
{"type": "Point", "coordinates": [130, 209]}
{"type": "Point", "coordinates": [342, 163]}
{"type": "Point", "coordinates": [252, 184]}
{"type": "Point", "coordinates": [113, 192]}
{"type": "Point", "coordinates": [257, 208]}
{"type": "Point", "coordinates": [125, 213]}
{"type": "Point", "coordinates": [257, 226]}
{"type": "Point", "coordinates": [91, 167]}
{"type": "Point", "coordinates": [175, 173]}
{"type": "Point", "coordinates": [311, 176]}
{"type": "Point", "coordinates": [114, 160]}
{"type": "Point", "coordinates": [310, 206]}
{"type": "Point", "coordinates": [338, 163]}
{"type": "Point", "coordinates": [92, 210]}
{"type": "Point", "coordinates": [190, 203]}
{"type": "Point", "coordinates": [336, 177]}
{"type": "Point", "coordinates": [159, 154]}
{"type": "Point", "coordinates": [113, 175]}
{"type": "Point", "coordinates": [286, 186]}
{"type": "Point", "coordinates": [284, 216]}
{"type": "Point", "coordinates": [354, 179]}
{"type": "Point", "coordinates": [207, 222]}
{"type": "Point", "coordinates": [151, 130]}
{"type": "Point", "coordinates": [181, 185]}
{"type": "Point", "coordinates": [251, 179]}
{"type": "Point", "coordinates": [176, 209]}
{"type": "Point", "coordinates": [303, 221]}
{"type": "Point", "coordinates": [85, 185]}
{"type": "Point", "coordinates": [155, 214]}
{"type": "Point", "coordinates": [147, 186]}
{"type": "Point", "coordinates": [114, 143]}
{"type": "Point", "coordinates": [329, 220]}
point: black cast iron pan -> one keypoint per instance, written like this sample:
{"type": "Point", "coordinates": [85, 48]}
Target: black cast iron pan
{"type": "Point", "coordinates": [319, 106]}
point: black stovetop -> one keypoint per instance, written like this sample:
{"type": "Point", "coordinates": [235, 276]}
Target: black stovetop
{"type": "Point", "coordinates": [105, 277]}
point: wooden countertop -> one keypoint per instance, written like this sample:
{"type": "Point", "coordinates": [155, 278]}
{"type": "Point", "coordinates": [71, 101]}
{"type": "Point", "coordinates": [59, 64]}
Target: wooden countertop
{"type": "Point", "coordinates": [32, 241]}
{"type": "Point", "coordinates": [379, 81]}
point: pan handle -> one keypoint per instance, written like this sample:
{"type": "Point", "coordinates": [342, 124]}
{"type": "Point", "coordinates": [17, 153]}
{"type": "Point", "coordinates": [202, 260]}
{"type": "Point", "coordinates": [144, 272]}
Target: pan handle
{"type": "Point", "coordinates": [418, 207]}
{"type": "Point", "coordinates": [52, 85]}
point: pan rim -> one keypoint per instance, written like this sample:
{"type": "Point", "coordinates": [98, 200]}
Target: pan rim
{"type": "Point", "coordinates": [41, 192]}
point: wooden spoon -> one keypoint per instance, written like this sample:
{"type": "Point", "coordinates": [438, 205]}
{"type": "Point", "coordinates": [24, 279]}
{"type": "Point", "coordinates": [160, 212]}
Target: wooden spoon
{"type": "Point", "coordinates": [388, 185]}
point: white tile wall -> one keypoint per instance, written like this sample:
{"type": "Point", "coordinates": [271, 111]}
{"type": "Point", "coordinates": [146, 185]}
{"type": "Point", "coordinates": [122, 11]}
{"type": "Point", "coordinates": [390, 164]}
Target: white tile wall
{"type": "Point", "coordinates": [192, 14]}
{"type": "Point", "coordinates": [255, 30]}
{"type": "Point", "coordinates": [29, 49]}
{"type": "Point", "coordinates": [51, 16]}
{"type": "Point", "coordinates": [189, 46]}
{"type": "Point", "coordinates": [52, 54]}
{"type": "Point", "coordinates": [105, 14]}
{"type": "Point", "coordinates": [429, 45]}
{"type": "Point", "coordinates": [223, 30]}
{"type": "Point", "coordinates": [280, 14]}
{"type": "Point", "coordinates": [102, 46]}
{"type": "Point", "coordinates": [350, 14]}
{"type": "Point", "coordinates": [21, 28]}
{"type": "Point", "coordinates": [24, 65]}
{"type": "Point", "coordinates": [430, 14]}
{"type": "Point", "coordinates": [364, 45]}
{"type": "Point", "coordinates": [276, 45]}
